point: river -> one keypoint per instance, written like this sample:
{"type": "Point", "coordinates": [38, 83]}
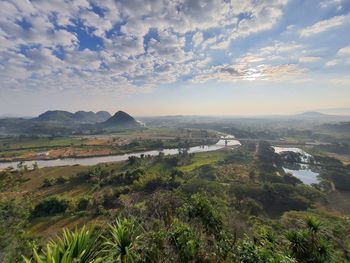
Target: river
{"type": "Point", "coordinates": [122, 157]}
{"type": "Point", "coordinates": [302, 172]}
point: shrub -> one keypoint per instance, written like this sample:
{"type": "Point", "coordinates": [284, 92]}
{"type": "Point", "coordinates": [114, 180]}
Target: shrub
{"type": "Point", "coordinates": [262, 252]}
{"type": "Point", "coordinates": [82, 204]}
{"type": "Point", "coordinates": [48, 182]}
{"type": "Point", "coordinates": [207, 172]}
{"type": "Point", "coordinates": [50, 206]}
{"type": "Point", "coordinates": [184, 240]}
{"type": "Point", "coordinates": [199, 207]}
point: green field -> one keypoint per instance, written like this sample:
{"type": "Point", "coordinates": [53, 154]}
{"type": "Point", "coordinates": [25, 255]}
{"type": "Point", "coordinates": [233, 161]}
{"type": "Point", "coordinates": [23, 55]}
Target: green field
{"type": "Point", "coordinates": [24, 142]}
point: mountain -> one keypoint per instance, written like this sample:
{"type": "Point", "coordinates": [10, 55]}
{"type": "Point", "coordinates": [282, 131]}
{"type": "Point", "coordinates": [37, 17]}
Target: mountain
{"type": "Point", "coordinates": [56, 116]}
{"type": "Point", "coordinates": [59, 122]}
{"type": "Point", "coordinates": [120, 120]}
{"type": "Point", "coordinates": [103, 115]}
{"type": "Point", "coordinates": [91, 117]}
{"type": "Point", "coordinates": [85, 116]}
{"type": "Point", "coordinates": [318, 117]}
{"type": "Point", "coordinates": [78, 117]}
{"type": "Point", "coordinates": [311, 114]}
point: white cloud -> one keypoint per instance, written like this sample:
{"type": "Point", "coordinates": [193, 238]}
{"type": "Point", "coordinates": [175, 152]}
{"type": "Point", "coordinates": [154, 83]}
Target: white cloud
{"type": "Point", "coordinates": [324, 25]}
{"type": "Point", "coordinates": [332, 3]}
{"type": "Point", "coordinates": [332, 63]}
{"type": "Point", "coordinates": [345, 51]}
{"type": "Point", "coordinates": [197, 38]}
{"type": "Point", "coordinates": [309, 59]}
{"type": "Point", "coordinates": [239, 72]}
{"type": "Point", "coordinates": [341, 58]}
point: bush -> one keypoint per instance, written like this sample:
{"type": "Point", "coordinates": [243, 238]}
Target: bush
{"type": "Point", "coordinates": [150, 183]}
{"type": "Point", "coordinates": [61, 180]}
{"type": "Point", "coordinates": [49, 207]}
{"type": "Point", "coordinates": [185, 240]}
{"type": "Point", "coordinates": [262, 252]}
{"type": "Point", "coordinates": [207, 172]}
{"type": "Point", "coordinates": [52, 181]}
{"type": "Point", "coordinates": [48, 182]}
{"type": "Point", "coordinates": [82, 204]}
{"type": "Point", "coordinates": [200, 208]}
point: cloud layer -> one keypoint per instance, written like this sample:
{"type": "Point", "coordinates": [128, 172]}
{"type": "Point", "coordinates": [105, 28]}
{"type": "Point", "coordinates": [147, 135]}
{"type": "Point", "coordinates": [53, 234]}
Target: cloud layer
{"type": "Point", "coordinates": [136, 45]}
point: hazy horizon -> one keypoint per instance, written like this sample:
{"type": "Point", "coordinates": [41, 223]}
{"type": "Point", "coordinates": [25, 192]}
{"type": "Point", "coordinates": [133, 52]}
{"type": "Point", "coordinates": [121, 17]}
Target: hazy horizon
{"type": "Point", "coordinates": [332, 111]}
{"type": "Point", "coordinates": [185, 57]}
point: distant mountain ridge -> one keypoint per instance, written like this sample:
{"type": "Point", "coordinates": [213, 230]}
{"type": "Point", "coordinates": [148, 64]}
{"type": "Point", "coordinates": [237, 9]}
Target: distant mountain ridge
{"type": "Point", "coordinates": [88, 120]}
{"type": "Point", "coordinates": [59, 123]}
{"type": "Point", "coordinates": [311, 114]}
{"type": "Point", "coordinates": [79, 116]}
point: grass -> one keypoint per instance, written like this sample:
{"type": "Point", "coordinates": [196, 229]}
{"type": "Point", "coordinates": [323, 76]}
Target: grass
{"type": "Point", "coordinates": [48, 227]}
{"type": "Point", "coordinates": [204, 158]}
{"type": "Point", "coordinates": [36, 177]}
{"type": "Point", "coordinates": [70, 190]}
{"type": "Point", "coordinates": [13, 143]}
{"type": "Point", "coordinates": [339, 201]}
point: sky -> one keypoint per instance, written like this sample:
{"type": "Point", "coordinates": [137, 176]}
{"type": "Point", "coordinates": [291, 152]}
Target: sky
{"type": "Point", "coordinates": [165, 57]}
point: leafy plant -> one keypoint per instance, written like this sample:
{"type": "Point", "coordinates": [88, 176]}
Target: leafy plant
{"type": "Point", "coordinates": [309, 244]}
{"type": "Point", "coordinates": [185, 241]}
{"type": "Point", "coordinates": [79, 246]}
{"type": "Point", "coordinates": [121, 246]}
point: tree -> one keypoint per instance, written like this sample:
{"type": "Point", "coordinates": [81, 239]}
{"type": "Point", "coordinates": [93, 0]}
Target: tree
{"type": "Point", "coordinates": [132, 160]}
{"type": "Point", "coordinates": [35, 166]}
{"type": "Point", "coordinates": [199, 207]}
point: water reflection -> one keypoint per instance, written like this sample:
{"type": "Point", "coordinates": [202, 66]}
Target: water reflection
{"type": "Point", "coordinates": [306, 173]}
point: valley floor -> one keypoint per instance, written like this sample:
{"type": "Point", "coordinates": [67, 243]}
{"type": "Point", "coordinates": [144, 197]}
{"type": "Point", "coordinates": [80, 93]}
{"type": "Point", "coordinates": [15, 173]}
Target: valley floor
{"type": "Point", "coordinates": [237, 192]}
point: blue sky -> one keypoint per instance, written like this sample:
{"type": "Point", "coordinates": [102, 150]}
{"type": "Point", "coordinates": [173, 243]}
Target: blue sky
{"type": "Point", "coordinates": [165, 57]}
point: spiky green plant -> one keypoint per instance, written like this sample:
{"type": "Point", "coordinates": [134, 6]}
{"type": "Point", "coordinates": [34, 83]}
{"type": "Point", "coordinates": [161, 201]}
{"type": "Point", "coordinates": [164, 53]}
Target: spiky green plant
{"type": "Point", "coordinates": [310, 244]}
{"type": "Point", "coordinates": [121, 246]}
{"type": "Point", "coordinates": [313, 224]}
{"type": "Point", "coordinates": [78, 246]}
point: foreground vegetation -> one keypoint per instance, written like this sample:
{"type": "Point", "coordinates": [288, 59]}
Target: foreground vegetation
{"type": "Point", "coordinates": [231, 205]}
